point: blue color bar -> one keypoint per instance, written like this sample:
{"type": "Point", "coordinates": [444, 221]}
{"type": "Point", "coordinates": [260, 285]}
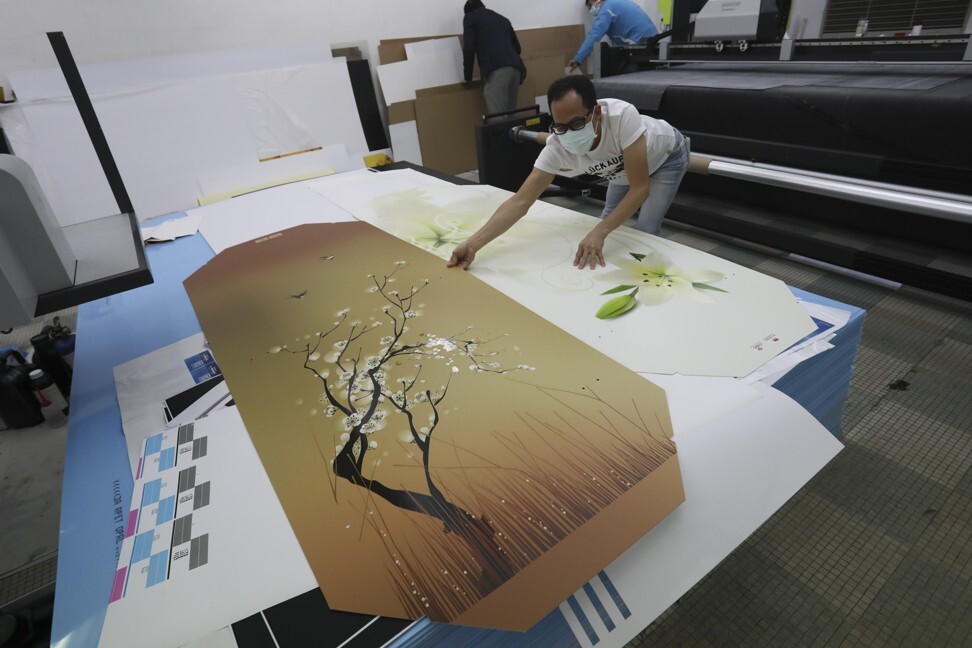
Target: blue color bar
{"type": "Point", "coordinates": [591, 594]}
{"type": "Point", "coordinates": [158, 566]}
{"type": "Point", "coordinates": [167, 458]}
{"type": "Point", "coordinates": [143, 546]}
{"type": "Point", "coordinates": [151, 491]}
{"type": "Point", "coordinates": [166, 510]}
{"type": "Point", "coordinates": [153, 444]}
{"type": "Point", "coordinates": [613, 591]}
{"type": "Point", "coordinates": [579, 613]}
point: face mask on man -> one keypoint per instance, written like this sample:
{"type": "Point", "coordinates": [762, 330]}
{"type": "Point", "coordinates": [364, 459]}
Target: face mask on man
{"type": "Point", "coordinates": [579, 142]}
{"type": "Point", "coordinates": [594, 9]}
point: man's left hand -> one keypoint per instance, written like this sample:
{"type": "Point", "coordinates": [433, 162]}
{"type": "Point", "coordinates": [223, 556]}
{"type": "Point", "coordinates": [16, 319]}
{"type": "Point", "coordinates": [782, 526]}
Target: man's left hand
{"type": "Point", "coordinates": [590, 251]}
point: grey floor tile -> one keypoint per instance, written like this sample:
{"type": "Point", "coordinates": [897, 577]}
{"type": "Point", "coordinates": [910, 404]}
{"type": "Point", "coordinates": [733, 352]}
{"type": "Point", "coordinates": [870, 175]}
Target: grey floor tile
{"type": "Point", "coordinates": [948, 539]}
{"type": "Point", "coordinates": [932, 396]}
{"type": "Point", "coordinates": [962, 330]}
{"type": "Point", "coordinates": [919, 442]}
{"type": "Point", "coordinates": [859, 404]}
{"type": "Point", "coordinates": [848, 290]}
{"type": "Point", "coordinates": [923, 604]}
{"type": "Point", "coordinates": [880, 492]}
{"type": "Point", "coordinates": [841, 557]}
{"type": "Point", "coordinates": [876, 371]}
{"type": "Point", "coordinates": [951, 358]}
{"type": "Point", "coordinates": [794, 274]}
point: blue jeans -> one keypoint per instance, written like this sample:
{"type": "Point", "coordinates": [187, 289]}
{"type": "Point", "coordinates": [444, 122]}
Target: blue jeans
{"type": "Point", "coordinates": [662, 186]}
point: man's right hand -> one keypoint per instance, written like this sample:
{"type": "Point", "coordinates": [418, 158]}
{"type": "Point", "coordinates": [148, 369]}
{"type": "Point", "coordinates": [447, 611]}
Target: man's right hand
{"type": "Point", "coordinates": [573, 65]}
{"type": "Point", "coordinates": [462, 256]}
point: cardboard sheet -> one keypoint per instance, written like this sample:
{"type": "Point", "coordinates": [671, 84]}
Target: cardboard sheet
{"type": "Point", "coordinates": [440, 450]}
{"type": "Point", "coordinates": [206, 542]}
{"type": "Point", "coordinates": [446, 124]}
{"type": "Point", "coordinates": [695, 313]}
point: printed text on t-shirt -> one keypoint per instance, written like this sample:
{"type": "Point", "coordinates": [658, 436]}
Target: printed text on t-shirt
{"type": "Point", "coordinates": [610, 169]}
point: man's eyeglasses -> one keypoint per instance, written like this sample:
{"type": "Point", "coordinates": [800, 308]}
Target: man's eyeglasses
{"type": "Point", "coordinates": [574, 125]}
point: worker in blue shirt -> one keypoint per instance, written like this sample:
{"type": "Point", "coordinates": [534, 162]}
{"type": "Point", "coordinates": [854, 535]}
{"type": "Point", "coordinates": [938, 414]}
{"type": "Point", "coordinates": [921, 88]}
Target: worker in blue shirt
{"type": "Point", "coordinates": [623, 21]}
{"type": "Point", "coordinates": [489, 37]}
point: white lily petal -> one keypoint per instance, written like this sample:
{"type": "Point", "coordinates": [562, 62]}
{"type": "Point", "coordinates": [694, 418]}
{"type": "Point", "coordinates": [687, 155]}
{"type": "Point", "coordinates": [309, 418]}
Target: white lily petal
{"type": "Point", "coordinates": [659, 263]}
{"type": "Point", "coordinates": [630, 267]}
{"type": "Point", "coordinates": [654, 295]}
{"type": "Point", "coordinates": [681, 286]}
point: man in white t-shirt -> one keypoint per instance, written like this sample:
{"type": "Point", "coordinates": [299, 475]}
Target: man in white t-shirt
{"type": "Point", "coordinates": [644, 160]}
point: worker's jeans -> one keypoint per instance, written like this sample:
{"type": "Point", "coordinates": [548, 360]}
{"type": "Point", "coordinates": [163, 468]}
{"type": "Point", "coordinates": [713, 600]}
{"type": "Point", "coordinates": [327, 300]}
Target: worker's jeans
{"type": "Point", "coordinates": [662, 186]}
{"type": "Point", "coordinates": [501, 89]}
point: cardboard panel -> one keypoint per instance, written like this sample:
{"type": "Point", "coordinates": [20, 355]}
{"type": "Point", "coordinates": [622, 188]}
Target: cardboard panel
{"type": "Point", "coordinates": [541, 72]}
{"type": "Point", "coordinates": [401, 112]}
{"type": "Point", "coordinates": [446, 120]}
{"type": "Point", "coordinates": [545, 40]}
{"type": "Point", "coordinates": [446, 115]}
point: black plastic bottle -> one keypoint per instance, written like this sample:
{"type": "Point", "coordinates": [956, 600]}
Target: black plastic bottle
{"type": "Point", "coordinates": [47, 358]}
{"type": "Point", "coordinates": [19, 407]}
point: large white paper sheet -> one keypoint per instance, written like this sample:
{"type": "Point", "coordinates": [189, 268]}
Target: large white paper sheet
{"type": "Point", "coordinates": [240, 219]}
{"type": "Point", "coordinates": [111, 76]}
{"type": "Point", "coordinates": [685, 394]}
{"type": "Point", "coordinates": [405, 142]}
{"type": "Point", "coordinates": [727, 329]}
{"type": "Point", "coordinates": [206, 541]}
{"type": "Point", "coordinates": [284, 109]}
{"type": "Point", "coordinates": [165, 137]}
{"type": "Point", "coordinates": [171, 229]}
{"type": "Point", "coordinates": [400, 80]}
{"type": "Point", "coordinates": [436, 46]}
{"type": "Point", "coordinates": [737, 472]}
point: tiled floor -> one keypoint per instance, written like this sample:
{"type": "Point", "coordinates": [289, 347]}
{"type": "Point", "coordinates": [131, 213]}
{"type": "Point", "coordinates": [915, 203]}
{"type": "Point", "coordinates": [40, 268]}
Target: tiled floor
{"type": "Point", "coordinates": [875, 551]}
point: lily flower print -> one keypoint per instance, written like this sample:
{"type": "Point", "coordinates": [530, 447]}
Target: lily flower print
{"type": "Point", "coordinates": [654, 279]}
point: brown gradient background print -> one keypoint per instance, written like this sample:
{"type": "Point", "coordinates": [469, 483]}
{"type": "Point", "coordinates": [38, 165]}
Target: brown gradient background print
{"type": "Point", "coordinates": [545, 459]}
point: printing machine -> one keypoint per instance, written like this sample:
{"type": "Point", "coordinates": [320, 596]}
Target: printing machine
{"type": "Point", "coordinates": [877, 149]}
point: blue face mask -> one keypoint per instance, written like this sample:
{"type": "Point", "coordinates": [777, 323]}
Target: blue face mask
{"type": "Point", "coordinates": [579, 142]}
{"type": "Point", "coordinates": [594, 9]}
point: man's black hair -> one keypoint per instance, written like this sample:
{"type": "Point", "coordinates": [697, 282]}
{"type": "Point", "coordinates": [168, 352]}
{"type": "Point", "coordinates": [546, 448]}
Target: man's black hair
{"type": "Point", "coordinates": [472, 5]}
{"type": "Point", "coordinates": [576, 82]}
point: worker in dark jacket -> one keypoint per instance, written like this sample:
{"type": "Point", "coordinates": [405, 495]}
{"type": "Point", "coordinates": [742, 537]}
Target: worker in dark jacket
{"type": "Point", "coordinates": [489, 37]}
